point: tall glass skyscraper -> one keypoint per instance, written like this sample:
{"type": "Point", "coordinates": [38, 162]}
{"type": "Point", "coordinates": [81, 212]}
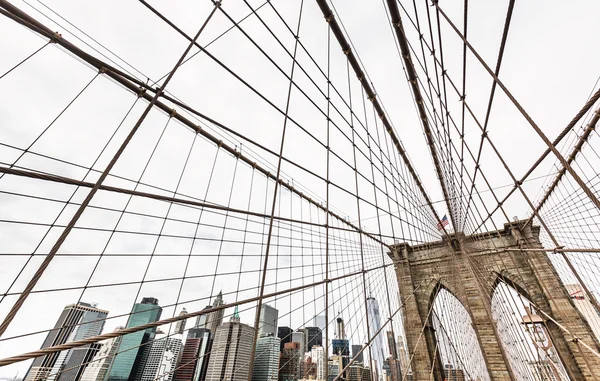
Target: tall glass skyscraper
{"type": "Point", "coordinates": [266, 359]}
{"type": "Point", "coordinates": [77, 321]}
{"type": "Point", "coordinates": [268, 321]}
{"type": "Point", "coordinates": [359, 357]}
{"type": "Point", "coordinates": [129, 362]}
{"type": "Point", "coordinates": [374, 326]}
{"type": "Point", "coordinates": [314, 336]}
{"type": "Point", "coordinates": [285, 336]}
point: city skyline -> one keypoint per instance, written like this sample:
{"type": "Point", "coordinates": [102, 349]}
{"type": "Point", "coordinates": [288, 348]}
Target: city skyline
{"type": "Point", "coordinates": [160, 352]}
{"type": "Point", "coordinates": [416, 182]}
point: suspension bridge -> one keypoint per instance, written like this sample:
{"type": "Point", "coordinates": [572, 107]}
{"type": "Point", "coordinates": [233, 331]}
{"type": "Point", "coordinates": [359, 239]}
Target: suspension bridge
{"type": "Point", "coordinates": [308, 190]}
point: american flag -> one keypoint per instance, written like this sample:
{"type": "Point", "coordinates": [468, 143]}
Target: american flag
{"type": "Point", "coordinates": [443, 222]}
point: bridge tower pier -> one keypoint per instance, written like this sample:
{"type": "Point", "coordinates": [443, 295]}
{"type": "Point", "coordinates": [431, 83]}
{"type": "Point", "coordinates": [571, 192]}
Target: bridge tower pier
{"type": "Point", "coordinates": [470, 268]}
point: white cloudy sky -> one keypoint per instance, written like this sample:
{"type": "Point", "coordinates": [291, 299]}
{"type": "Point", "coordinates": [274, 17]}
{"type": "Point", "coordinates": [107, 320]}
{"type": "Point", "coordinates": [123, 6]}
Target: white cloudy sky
{"type": "Point", "coordinates": [550, 65]}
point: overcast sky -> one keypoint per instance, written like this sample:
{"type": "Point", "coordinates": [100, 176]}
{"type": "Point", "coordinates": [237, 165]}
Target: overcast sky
{"type": "Point", "coordinates": [550, 65]}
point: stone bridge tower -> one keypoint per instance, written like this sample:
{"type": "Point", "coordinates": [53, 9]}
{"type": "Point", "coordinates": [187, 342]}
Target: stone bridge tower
{"type": "Point", "coordinates": [470, 268]}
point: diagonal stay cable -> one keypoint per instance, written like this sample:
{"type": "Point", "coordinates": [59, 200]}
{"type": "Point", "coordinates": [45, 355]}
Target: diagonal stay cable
{"type": "Point", "coordinates": [183, 201]}
{"type": "Point", "coordinates": [38, 274]}
{"type": "Point", "coordinates": [25, 59]}
{"type": "Point", "coordinates": [69, 200]}
{"type": "Point", "coordinates": [449, 159]}
{"type": "Point", "coordinates": [416, 91]}
{"type": "Point", "coordinates": [517, 184]}
{"type": "Point", "coordinates": [346, 48]}
{"type": "Point", "coordinates": [480, 126]}
{"type": "Point", "coordinates": [576, 149]}
{"type": "Point", "coordinates": [423, 65]}
{"type": "Point", "coordinates": [531, 122]}
{"type": "Point", "coordinates": [26, 150]}
{"type": "Point", "coordinates": [507, 21]}
{"type": "Point", "coordinates": [140, 88]}
{"type": "Point", "coordinates": [464, 86]}
{"type": "Point", "coordinates": [275, 192]}
{"type": "Point", "coordinates": [262, 96]}
{"type": "Point", "coordinates": [212, 121]}
{"type": "Point", "coordinates": [588, 105]}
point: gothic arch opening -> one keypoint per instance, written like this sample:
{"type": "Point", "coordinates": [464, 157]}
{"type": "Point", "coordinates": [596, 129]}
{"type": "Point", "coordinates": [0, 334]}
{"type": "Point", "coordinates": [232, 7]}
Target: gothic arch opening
{"type": "Point", "coordinates": [524, 336]}
{"type": "Point", "coordinates": [457, 345]}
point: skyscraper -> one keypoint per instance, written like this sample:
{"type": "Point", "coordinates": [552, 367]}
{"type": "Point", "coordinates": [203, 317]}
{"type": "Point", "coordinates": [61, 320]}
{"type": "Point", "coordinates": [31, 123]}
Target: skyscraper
{"type": "Point", "coordinates": [212, 320]}
{"type": "Point", "coordinates": [313, 337]}
{"type": "Point", "coordinates": [392, 344]}
{"type": "Point", "coordinates": [318, 357]}
{"type": "Point", "coordinates": [162, 357]}
{"type": "Point", "coordinates": [366, 375]}
{"type": "Point", "coordinates": [393, 361]}
{"type": "Point", "coordinates": [180, 325]}
{"type": "Point", "coordinates": [77, 321]}
{"type": "Point", "coordinates": [358, 372]}
{"type": "Point", "coordinates": [300, 337]}
{"type": "Point", "coordinates": [289, 362]}
{"type": "Point", "coordinates": [374, 326]}
{"type": "Point", "coordinates": [334, 369]}
{"type": "Point", "coordinates": [355, 350]}
{"type": "Point", "coordinates": [100, 365]}
{"type": "Point", "coordinates": [320, 322]}
{"type": "Point", "coordinates": [268, 321]}
{"type": "Point", "coordinates": [404, 365]}
{"type": "Point", "coordinates": [395, 374]}
{"type": "Point", "coordinates": [337, 359]}
{"type": "Point", "coordinates": [285, 336]}
{"type": "Point", "coordinates": [266, 359]}
{"type": "Point", "coordinates": [231, 351]}
{"type": "Point", "coordinates": [76, 359]}
{"type": "Point", "coordinates": [341, 346]}
{"type": "Point", "coordinates": [308, 368]}
{"type": "Point", "coordinates": [386, 370]}
{"type": "Point", "coordinates": [202, 320]}
{"type": "Point", "coordinates": [194, 358]}
{"type": "Point", "coordinates": [133, 351]}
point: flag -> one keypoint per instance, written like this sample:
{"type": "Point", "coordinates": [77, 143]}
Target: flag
{"type": "Point", "coordinates": [443, 222]}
